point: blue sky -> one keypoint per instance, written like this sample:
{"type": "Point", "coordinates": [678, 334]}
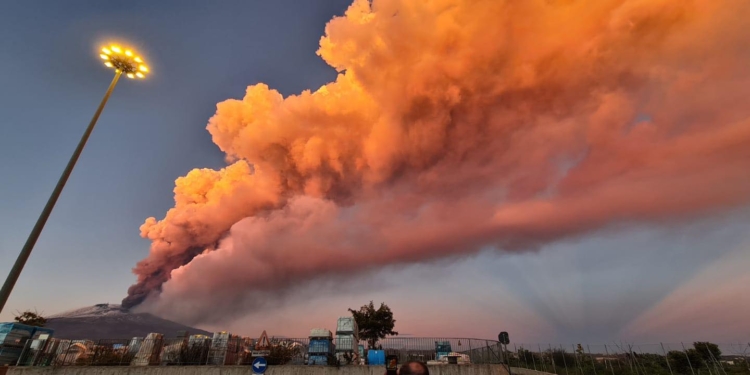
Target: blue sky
{"type": "Point", "coordinates": [150, 133]}
{"type": "Point", "coordinates": [153, 131]}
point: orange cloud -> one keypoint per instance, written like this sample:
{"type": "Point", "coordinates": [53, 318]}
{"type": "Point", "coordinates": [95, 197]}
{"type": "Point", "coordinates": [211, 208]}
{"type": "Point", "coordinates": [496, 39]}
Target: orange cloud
{"type": "Point", "coordinates": [455, 125]}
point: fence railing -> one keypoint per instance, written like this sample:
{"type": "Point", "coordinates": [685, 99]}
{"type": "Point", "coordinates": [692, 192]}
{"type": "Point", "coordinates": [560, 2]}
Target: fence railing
{"type": "Point", "coordinates": [570, 359]}
{"type": "Point", "coordinates": [201, 351]}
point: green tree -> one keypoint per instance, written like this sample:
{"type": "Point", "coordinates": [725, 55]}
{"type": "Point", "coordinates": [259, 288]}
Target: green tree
{"type": "Point", "coordinates": [374, 324]}
{"type": "Point", "coordinates": [708, 351]}
{"type": "Point", "coordinates": [682, 361]}
{"type": "Point", "coordinates": [30, 318]}
{"type": "Point", "coordinates": [525, 358]}
{"type": "Point", "coordinates": [562, 358]}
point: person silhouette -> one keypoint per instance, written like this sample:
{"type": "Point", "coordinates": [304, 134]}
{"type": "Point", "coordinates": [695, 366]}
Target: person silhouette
{"type": "Point", "coordinates": [414, 368]}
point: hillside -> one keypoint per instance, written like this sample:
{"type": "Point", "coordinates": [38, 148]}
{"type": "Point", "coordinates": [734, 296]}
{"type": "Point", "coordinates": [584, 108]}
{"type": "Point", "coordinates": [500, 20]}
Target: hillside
{"type": "Point", "coordinates": [108, 321]}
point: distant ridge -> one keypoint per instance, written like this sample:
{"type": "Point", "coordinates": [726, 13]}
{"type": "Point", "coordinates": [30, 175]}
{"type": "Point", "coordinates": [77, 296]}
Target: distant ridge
{"type": "Point", "coordinates": [111, 321]}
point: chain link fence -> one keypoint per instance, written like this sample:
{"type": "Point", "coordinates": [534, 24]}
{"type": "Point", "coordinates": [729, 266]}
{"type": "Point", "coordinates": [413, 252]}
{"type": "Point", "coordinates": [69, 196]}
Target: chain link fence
{"type": "Point", "coordinates": [617, 358]}
{"type": "Point", "coordinates": [203, 351]}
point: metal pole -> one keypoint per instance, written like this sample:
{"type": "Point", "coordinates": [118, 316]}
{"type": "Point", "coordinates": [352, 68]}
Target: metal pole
{"type": "Point", "coordinates": [15, 272]}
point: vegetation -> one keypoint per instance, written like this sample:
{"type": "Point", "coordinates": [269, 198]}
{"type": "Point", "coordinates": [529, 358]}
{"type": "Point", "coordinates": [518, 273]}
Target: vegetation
{"type": "Point", "coordinates": [282, 352]}
{"type": "Point", "coordinates": [30, 318]}
{"type": "Point", "coordinates": [374, 324]}
{"type": "Point", "coordinates": [704, 358]}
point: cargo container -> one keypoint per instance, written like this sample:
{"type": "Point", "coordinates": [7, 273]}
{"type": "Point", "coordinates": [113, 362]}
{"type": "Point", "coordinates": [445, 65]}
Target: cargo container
{"type": "Point", "coordinates": [149, 351]}
{"type": "Point", "coordinates": [320, 333]}
{"type": "Point", "coordinates": [375, 357]}
{"type": "Point", "coordinates": [321, 346]}
{"type": "Point", "coordinates": [34, 350]}
{"type": "Point", "coordinates": [346, 343]}
{"type": "Point", "coordinates": [135, 345]}
{"type": "Point", "coordinates": [15, 334]}
{"type": "Point", "coordinates": [442, 348]}
{"type": "Point", "coordinates": [9, 356]}
{"type": "Point", "coordinates": [347, 325]}
{"type": "Point", "coordinates": [317, 360]}
{"type": "Point", "coordinates": [225, 349]}
{"type": "Point", "coordinates": [39, 331]}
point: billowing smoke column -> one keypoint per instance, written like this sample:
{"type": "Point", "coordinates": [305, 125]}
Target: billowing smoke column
{"type": "Point", "coordinates": [457, 125]}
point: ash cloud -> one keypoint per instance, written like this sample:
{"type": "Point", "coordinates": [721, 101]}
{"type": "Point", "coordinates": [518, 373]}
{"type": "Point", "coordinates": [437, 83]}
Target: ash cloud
{"type": "Point", "coordinates": [454, 126]}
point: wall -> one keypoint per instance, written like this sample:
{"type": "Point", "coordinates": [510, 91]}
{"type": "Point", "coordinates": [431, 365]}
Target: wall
{"type": "Point", "coordinates": [525, 371]}
{"type": "Point", "coordinates": [243, 370]}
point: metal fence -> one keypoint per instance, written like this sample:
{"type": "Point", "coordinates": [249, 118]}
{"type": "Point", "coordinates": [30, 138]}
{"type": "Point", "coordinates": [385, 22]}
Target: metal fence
{"type": "Point", "coordinates": [204, 351]}
{"type": "Point", "coordinates": [567, 359]}
{"type": "Point", "coordinates": [632, 359]}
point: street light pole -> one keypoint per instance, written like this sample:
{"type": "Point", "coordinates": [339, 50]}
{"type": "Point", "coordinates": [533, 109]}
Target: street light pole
{"type": "Point", "coordinates": [15, 272]}
{"type": "Point", "coordinates": [123, 61]}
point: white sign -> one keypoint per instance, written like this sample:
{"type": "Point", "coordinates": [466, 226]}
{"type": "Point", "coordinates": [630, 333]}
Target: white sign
{"type": "Point", "coordinates": [260, 353]}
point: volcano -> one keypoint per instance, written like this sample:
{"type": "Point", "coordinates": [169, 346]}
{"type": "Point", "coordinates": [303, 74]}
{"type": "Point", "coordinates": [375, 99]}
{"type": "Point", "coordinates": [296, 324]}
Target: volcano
{"type": "Point", "coordinates": [110, 321]}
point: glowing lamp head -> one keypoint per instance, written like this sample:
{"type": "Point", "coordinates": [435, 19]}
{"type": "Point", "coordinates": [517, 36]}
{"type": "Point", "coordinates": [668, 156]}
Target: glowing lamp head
{"type": "Point", "coordinates": [124, 61]}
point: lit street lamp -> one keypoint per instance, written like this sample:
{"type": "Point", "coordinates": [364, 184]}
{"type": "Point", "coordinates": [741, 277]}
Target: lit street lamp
{"type": "Point", "coordinates": [123, 61]}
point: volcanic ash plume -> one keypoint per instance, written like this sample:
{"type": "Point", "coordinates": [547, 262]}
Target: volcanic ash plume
{"type": "Point", "coordinates": [459, 125]}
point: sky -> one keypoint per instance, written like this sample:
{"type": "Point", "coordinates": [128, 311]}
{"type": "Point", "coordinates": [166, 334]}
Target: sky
{"type": "Point", "coordinates": [679, 280]}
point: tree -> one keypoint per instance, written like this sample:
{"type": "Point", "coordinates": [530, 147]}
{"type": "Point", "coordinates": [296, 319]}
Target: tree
{"type": "Point", "coordinates": [31, 318]}
{"type": "Point", "coordinates": [563, 358]}
{"type": "Point", "coordinates": [374, 324]}
{"type": "Point", "coordinates": [683, 361]}
{"type": "Point", "coordinates": [708, 351]}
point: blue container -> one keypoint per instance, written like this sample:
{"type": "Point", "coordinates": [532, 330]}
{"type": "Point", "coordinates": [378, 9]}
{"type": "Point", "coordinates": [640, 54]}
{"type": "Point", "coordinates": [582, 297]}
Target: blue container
{"type": "Point", "coordinates": [9, 356]}
{"type": "Point", "coordinates": [15, 334]}
{"type": "Point", "coordinates": [442, 349]}
{"type": "Point", "coordinates": [317, 360]}
{"type": "Point", "coordinates": [322, 346]}
{"type": "Point", "coordinates": [376, 357]}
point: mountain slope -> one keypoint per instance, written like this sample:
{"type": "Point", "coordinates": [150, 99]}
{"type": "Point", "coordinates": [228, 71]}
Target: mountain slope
{"type": "Point", "coordinates": [106, 321]}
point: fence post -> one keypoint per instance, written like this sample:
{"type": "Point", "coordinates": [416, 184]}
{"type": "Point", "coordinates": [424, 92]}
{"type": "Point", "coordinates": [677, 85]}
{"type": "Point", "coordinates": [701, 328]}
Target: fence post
{"type": "Point", "coordinates": [470, 352]}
